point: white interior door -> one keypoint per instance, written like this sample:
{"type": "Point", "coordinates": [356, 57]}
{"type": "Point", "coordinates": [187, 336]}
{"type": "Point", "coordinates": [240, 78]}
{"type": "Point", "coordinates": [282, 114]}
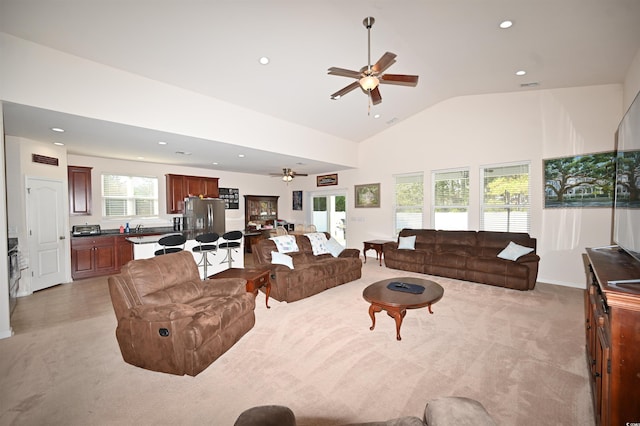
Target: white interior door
{"type": "Point", "coordinates": [47, 254]}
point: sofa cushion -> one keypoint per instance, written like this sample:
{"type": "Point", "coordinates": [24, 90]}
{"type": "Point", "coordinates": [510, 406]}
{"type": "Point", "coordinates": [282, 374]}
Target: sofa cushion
{"type": "Point", "coordinates": [281, 259]}
{"type": "Point", "coordinates": [407, 243]}
{"type": "Point", "coordinates": [513, 251]}
{"type": "Point", "coordinates": [285, 243]}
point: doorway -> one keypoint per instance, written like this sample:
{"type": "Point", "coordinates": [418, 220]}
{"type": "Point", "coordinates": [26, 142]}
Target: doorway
{"type": "Point", "coordinates": [46, 233]}
{"type": "Point", "coordinates": [329, 214]}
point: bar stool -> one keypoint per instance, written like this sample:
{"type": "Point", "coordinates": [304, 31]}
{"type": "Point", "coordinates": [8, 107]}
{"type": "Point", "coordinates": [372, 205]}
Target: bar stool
{"type": "Point", "coordinates": [171, 244]}
{"type": "Point", "coordinates": [206, 244]}
{"type": "Point", "coordinates": [233, 241]}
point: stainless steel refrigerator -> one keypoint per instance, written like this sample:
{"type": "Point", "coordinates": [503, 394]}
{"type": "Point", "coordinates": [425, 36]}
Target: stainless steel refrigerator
{"type": "Point", "coordinates": [204, 215]}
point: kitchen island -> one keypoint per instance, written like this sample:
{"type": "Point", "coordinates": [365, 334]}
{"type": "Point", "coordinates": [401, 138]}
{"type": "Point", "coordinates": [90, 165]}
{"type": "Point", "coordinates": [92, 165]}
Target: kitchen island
{"type": "Point", "coordinates": [145, 246]}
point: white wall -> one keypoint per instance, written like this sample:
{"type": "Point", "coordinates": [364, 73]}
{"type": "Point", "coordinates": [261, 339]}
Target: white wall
{"type": "Point", "coordinates": [632, 82]}
{"type": "Point", "coordinates": [42, 77]}
{"type": "Point", "coordinates": [247, 183]}
{"type": "Point", "coordinates": [475, 131]}
{"type": "Point", "coordinates": [19, 167]}
{"type": "Point", "coordinates": [5, 326]}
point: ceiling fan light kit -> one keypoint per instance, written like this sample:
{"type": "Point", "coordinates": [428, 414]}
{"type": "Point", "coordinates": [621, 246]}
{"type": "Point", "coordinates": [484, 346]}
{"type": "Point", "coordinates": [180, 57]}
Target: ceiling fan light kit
{"type": "Point", "coordinates": [287, 175]}
{"type": "Point", "coordinates": [370, 77]}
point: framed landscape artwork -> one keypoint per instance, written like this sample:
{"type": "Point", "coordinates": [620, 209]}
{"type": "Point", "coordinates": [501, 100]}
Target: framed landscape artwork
{"type": "Point", "coordinates": [327, 180]}
{"type": "Point", "coordinates": [580, 181]}
{"type": "Point", "coordinates": [367, 195]}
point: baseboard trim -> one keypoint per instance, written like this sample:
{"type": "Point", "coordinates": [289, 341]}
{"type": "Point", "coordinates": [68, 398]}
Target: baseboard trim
{"type": "Point", "coordinates": [6, 333]}
{"type": "Point", "coordinates": [582, 286]}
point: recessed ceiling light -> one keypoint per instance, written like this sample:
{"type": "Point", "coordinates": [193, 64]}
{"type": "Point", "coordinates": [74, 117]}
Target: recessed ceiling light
{"type": "Point", "coordinates": [57, 129]}
{"type": "Point", "coordinates": [376, 116]}
{"type": "Point", "coordinates": [521, 72]}
{"type": "Point", "coordinates": [506, 24]}
{"type": "Point", "coordinates": [241, 155]}
{"type": "Point", "coordinates": [264, 60]}
{"type": "Point", "coordinates": [140, 158]}
{"type": "Point", "coordinates": [162, 143]}
{"type": "Point", "coordinates": [215, 163]}
{"type": "Point", "coordinates": [58, 143]}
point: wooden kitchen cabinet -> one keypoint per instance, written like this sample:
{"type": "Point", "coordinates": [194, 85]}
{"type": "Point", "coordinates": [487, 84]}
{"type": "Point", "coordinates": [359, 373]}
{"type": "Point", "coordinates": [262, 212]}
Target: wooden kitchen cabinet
{"type": "Point", "coordinates": [79, 180]}
{"type": "Point", "coordinates": [124, 251]}
{"type": "Point", "coordinates": [93, 256]}
{"type": "Point", "coordinates": [181, 186]}
{"type": "Point", "coordinates": [612, 328]}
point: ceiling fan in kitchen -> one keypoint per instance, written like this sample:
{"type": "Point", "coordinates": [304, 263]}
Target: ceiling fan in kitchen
{"type": "Point", "coordinates": [369, 77]}
{"type": "Point", "coordinates": [287, 175]}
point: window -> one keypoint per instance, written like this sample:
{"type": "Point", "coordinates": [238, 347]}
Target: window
{"type": "Point", "coordinates": [129, 196]}
{"type": "Point", "coordinates": [451, 199]}
{"type": "Point", "coordinates": [505, 201]}
{"type": "Point", "coordinates": [409, 192]}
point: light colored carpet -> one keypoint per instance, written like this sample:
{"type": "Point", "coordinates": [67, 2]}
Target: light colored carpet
{"type": "Point", "coordinates": [521, 354]}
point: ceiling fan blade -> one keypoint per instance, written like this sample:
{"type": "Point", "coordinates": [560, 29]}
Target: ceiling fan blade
{"type": "Point", "coordinates": [376, 98]}
{"type": "Point", "coordinates": [299, 174]}
{"type": "Point", "coordinates": [384, 62]}
{"type": "Point", "coordinates": [344, 72]}
{"type": "Point", "coordinates": [345, 90]}
{"type": "Point", "coordinates": [400, 79]}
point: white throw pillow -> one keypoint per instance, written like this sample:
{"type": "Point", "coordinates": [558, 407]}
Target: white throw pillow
{"type": "Point", "coordinates": [334, 247]}
{"type": "Point", "coordinates": [513, 251]}
{"type": "Point", "coordinates": [407, 243]}
{"type": "Point", "coordinates": [278, 258]}
{"type": "Point", "coordinates": [285, 243]}
{"type": "Point", "coordinates": [318, 243]}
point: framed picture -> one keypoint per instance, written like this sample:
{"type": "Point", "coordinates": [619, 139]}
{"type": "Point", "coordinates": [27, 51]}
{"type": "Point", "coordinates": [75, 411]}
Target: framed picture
{"type": "Point", "coordinates": [297, 200]}
{"type": "Point", "coordinates": [367, 195]}
{"type": "Point", "coordinates": [231, 197]}
{"type": "Point", "coordinates": [327, 180]}
{"type": "Point", "coordinates": [579, 181]}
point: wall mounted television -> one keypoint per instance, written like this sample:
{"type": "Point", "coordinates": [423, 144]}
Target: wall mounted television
{"type": "Point", "coordinates": [626, 214]}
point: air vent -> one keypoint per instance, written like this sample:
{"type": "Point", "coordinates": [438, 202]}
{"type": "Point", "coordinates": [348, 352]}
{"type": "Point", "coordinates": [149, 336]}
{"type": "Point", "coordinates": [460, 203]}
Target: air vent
{"type": "Point", "coordinates": [532, 84]}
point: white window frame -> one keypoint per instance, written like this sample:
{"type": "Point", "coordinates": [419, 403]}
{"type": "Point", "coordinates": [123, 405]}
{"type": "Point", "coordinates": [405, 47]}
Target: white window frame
{"type": "Point", "coordinates": [398, 209]}
{"type": "Point", "coordinates": [130, 198]}
{"type": "Point", "coordinates": [435, 206]}
{"type": "Point", "coordinates": [511, 226]}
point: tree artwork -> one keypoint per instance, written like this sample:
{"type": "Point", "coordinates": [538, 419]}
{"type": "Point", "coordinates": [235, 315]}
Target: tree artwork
{"type": "Point", "coordinates": [628, 179]}
{"type": "Point", "coordinates": [580, 181]}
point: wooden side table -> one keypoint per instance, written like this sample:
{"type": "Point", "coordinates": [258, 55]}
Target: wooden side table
{"type": "Point", "coordinates": [256, 278]}
{"type": "Point", "coordinates": [374, 245]}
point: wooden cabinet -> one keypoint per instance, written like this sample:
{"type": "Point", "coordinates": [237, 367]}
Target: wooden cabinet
{"type": "Point", "coordinates": [259, 211]}
{"type": "Point", "coordinates": [100, 255]}
{"type": "Point", "coordinates": [93, 256]}
{"type": "Point", "coordinates": [79, 180]}
{"type": "Point", "coordinates": [181, 186]}
{"type": "Point", "coordinates": [612, 311]}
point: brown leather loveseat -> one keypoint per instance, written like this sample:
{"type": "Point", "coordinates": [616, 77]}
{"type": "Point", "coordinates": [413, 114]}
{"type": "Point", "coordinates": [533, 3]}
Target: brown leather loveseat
{"type": "Point", "coordinates": [311, 274]}
{"type": "Point", "coordinates": [466, 255]}
{"type": "Point", "coordinates": [169, 320]}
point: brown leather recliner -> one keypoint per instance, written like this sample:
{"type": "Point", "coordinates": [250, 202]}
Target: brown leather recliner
{"type": "Point", "coordinates": [169, 320]}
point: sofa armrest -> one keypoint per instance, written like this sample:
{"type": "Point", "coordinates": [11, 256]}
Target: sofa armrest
{"type": "Point", "coordinates": [168, 312]}
{"type": "Point", "coordinates": [350, 252]}
{"type": "Point", "coordinates": [528, 258]}
{"type": "Point", "coordinates": [224, 286]}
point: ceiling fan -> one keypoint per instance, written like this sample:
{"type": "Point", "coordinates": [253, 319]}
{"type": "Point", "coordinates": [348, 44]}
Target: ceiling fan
{"type": "Point", "coordinates": [287, 175]}
{"type": "Point", "coordinates": [370, 76]}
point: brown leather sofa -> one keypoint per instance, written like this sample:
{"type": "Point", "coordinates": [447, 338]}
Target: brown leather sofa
{"type": "Point", "coordinates": [311, 274]}
{"type": "Point", "coordinates": [169, 320]}
{"type": "Point", "coordinates": [466, 255]}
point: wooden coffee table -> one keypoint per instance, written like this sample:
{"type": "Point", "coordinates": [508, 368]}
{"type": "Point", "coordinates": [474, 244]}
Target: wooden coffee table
{"type": "Point", "coordinates": [396, 303]}
{"type": "Point", "coordinates": [256, 278]}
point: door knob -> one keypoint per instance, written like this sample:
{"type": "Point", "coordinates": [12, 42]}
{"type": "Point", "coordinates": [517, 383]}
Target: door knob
{"type": "Point", "coordinates": [62, 237]}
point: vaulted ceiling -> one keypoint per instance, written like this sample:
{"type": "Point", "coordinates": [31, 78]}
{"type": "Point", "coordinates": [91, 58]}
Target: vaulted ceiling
{"type": "Point", "coordinates": [213, 48]}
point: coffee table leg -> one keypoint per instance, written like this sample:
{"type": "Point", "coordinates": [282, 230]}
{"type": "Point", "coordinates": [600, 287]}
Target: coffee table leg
{"type": "Point", "coordinates": [372, 311]}
{"type": "Point", "coordinates": [429, 307]}
{"type": "Point", "coordinates": [398, 316]}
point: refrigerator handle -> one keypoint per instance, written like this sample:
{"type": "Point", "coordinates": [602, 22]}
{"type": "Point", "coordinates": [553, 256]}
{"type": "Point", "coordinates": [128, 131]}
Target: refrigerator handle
{"type": "Point", "coordinates": [210, 215]}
